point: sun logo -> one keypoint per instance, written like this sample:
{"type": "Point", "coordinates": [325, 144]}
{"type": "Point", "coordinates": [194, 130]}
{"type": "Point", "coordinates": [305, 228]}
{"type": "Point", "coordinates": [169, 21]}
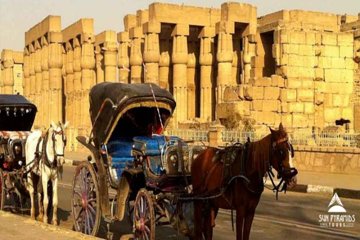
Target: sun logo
{"type": "Point", "coordinates": [335, 205]}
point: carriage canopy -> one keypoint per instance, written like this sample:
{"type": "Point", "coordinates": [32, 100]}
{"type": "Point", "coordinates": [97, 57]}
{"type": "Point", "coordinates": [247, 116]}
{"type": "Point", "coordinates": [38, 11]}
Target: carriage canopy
{"type": "Point", "coordinates": [16, 113]}
{"type": "Point", "coordinates": [119, 110]}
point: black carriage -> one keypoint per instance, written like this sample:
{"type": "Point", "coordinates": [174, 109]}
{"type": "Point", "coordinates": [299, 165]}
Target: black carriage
{"type": "Point", "coordinates": [17, 115]}
{"type": "Point", "coordinates": [148, 170]}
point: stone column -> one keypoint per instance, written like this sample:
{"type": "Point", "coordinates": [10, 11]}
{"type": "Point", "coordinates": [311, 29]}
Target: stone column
{"type": "Point", "coordinates": [7, 75]}
{"type": "Point", "coordinates": [164, 64]}
{"type": "Point", "coordinates": [224, 57]}
{"type": "Point", "coordinates": [87, 80]}
{"type": "Point", "coordinates": [55, 84]}
{"type": "Point", "coordinates": [152, 51]}
{"type": "Point", "coordinates": [32, 73]}
{"type": "Point", "coordinates": [99, 58]}
{"type": "Point", "coordinates": [38, 83]}
{"type": "Point", "coordinates": [236, 62]}
{"type": "Point", "coordinates": [191, 78]}
{"type": "Point", "coordinates": [179, 60]}
{"type": "Point", "coordinates": [26, 82]}
{"type": "Point", "coordinates": [136, 55]}
{"type": "Point", "coordinates": [247, 60]}
{"type": "Point", "coordinates": [110, 61]}
{"type": "Point", "coordinates": [45, 86]}
{"type": "Point", "coordinates": [70, 94]}
{"type": "Point", "coordinates": [123, 57]}
{"type": "Point", "coordinates": [206, 60]}
{"type": "Point", "coordinates": [77, 84]}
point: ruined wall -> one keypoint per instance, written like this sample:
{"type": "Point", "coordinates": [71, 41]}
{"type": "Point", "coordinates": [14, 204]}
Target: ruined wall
{"type": "Point", "coordinates": [11, 77]}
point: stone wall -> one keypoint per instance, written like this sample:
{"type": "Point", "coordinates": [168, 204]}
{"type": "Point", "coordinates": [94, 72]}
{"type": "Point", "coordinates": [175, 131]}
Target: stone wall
{"type": "Point", "coordinates": [327, 159]}
{"type": "Point", "coordinates": [11, 77]}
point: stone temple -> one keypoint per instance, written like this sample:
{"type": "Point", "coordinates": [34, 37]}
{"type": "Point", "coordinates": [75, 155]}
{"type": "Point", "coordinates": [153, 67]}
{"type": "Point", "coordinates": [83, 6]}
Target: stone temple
{"type": "Point", "coordinates": [297, 67]}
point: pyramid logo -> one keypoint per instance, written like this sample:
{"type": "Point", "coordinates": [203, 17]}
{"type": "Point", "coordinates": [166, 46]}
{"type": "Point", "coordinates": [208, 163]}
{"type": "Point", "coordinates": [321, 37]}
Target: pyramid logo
{"type": "Point", "coordinates": [335, 205]}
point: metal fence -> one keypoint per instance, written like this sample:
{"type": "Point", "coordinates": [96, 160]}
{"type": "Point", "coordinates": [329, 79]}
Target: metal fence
{"type": "Point", "coordinates": [306, 138]}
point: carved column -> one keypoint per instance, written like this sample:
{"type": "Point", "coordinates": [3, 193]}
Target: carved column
{"type": "Point", "coordinates": [179, 60]}
{"type": "Point", "coordinates": [7, 74]}
{"type": "Point", "coordinates": [55, 85]}
{"type": "Point", "coordinates": [99, 64]}
{"type": "Point", "coordinates": [224, 57]}
{"type": "Point", "coordinates": [77, 84]}
{"type": "Point", "coordinates": [32, 73]}
{"type": "Point", "coordinates": [123, 57]}
{"type": "Point", "coordinates": [191, 78]}
{"type": "Point", "coordinates": [45, 86]}
{"type": "Point", "coordinates": [38, 83]}
{"type": "Point", "coordinates": [206, 75]}
{"type": "Point", "coordinates": [164, 63]}
{"type": "Point", "coordinates": [110, 61]}
{"type": "Point", "coordinates": [136, 55]}
{"type": "Point", "coordinates": [70, 93]}
{"type": "Point", "coordinates": [87, 80]}
{"type": "Point", "coordinates": [152, 51]}
{"type": "Point", "coordinates": [26, 82]}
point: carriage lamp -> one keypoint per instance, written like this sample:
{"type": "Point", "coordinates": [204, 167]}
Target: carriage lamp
{"type": "Point", "coordinates": [173, 159]}
{"type": "Point", "coordinates": [22, 111]}
{"type": "Point", "coordinates": [15, 111]}
{"type": "Point", "coordinates": [7, 111]}
{"type": "Point", "coordinates": [20, 162]}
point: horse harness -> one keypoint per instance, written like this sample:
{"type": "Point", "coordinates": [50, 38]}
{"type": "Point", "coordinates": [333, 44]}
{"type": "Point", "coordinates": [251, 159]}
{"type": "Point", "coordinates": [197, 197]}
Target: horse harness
{"type": "Point", "coordinates": [42, 154]}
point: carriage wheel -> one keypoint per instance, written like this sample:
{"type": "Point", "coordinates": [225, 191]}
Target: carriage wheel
{"type": "Point", "coordinates": [144, 216]}
{"type": "Point", "coordinates": [2, 190]}
{"type": "Point", "coordinates": [85, 200]}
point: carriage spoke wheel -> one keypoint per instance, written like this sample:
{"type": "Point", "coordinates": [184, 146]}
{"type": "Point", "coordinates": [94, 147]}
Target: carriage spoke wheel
{"type": "Point", "coordinates": [144, 216]}
{"type": "Point", "coordinates": [2, 190]}
{"type": "Point", "coordinates": [85, 200]}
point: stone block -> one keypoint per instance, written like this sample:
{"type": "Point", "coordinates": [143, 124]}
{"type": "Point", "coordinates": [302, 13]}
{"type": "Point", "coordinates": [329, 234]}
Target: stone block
{"type": "Point", "coordinates": [319, 86]}
{"type": "Point", "coordinates": [283, 107]}
{"type": "Point", "coordinates": [328, 100]}
{"type": "Point", "coordinates": [293, 83]}
{"type": "Point", "coordinates": [257, 105]}
{"type": "Point", "coordinates": [306, 50]}
{"type": "Point", "coordinates": [256, 72]}
{"type": "Point", "coordinates": [271, 93]}
{"type": "Point", "coordinates": [318, 39]}
{"type": "Point", "coordinates": [290, 48]}
{"type": "Point", "coordinates": [180, 30]}
{"type": "Point", "coordinates": [348, 113]}
{"type": "Point", "coordinates": [338, 62]}
{"type": "Point", "coordinates": [345, 39]}
{"type": "Point", "coordinates": [328, 38]}
{"type": "Point", "coordinates": [330, 51]}
{"type": "Point", "coordinates": [268, 117]}
{"type": "Point", "coordinates": [332, 114]}
{"type": "Point", "coordinates": [319, 98]}
{"type": "Point", "coordinates": [295, 107]}
{"type": "Point", "coordinates": [306, 72]}
{"type": "Point", "coordinates": [310, 38]}
{"type": "Point", "coordinates": [340, 100]}
{"type": "Point", "coordinates": [286, 120]}
{"type": "Point", "coordinates": [333, 75]}
{"type": "Point", "coordinates": [319, 74]}
{"type": "Point", "coordinates": [271, 105]}
{"type": "Point", "coordinates": [300, 120]}
{"type": "Point", "coordinates": [346, 51]}
{"type": "Point", "coordinates": [347, 76]}
{"type": "Point", "coordinates": [276, 50]}
{"type": "Point", "coordinates": [349, 63]}
{"type": "Point", "coordinates": [297, 37]}
{"type": "Point", "coordinates": [254, 92]}
{"type": "Point", "coordinates": [307, 83]}
{"type": "Point", "coordinates": [281, 36]}
{"type": "Point", "coordinates": [277, 81]}
{"type": "Point", "coordinates": [263, 82]}
{"type": "Point", "coordinates": [305, 95]}
{"type": "Point", "coordinates": [324, 62]}
{"type": "Point", "coordinates": [257, 62]}
{"type": "Point", "coordinates": [288, 95]}
{"type": "Point", "coordinates": [309, 108]}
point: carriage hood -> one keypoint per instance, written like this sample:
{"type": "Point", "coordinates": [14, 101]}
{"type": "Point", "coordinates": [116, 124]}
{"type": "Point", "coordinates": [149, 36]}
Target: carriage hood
{"type": "Point", "coordinates": [125, 110]}
{"type": "Point", "coordinates": [16, 113]}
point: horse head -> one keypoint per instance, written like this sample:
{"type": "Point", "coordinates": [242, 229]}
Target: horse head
{"type": "Point", "coordinates": [58, 138]}
{"type": "Point", "coordinates": [282, 154]}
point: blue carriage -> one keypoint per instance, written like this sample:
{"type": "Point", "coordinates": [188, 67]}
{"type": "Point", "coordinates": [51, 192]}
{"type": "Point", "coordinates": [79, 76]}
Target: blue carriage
{"type": "Point", "coordinates": [147, 169]}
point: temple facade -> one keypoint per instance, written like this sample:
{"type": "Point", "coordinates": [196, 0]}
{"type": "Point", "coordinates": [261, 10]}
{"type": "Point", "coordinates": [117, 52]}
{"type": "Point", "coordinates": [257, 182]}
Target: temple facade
{"type": "Point", "coordinates": [297, 67]}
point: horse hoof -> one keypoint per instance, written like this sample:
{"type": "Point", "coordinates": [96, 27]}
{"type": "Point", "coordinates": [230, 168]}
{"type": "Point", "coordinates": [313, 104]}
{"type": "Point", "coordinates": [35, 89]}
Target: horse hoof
{"type": "Point", "coordinates": [41, 218]}
{"type": "Point", "coordinates": [45, 220]}
{"type": "Point", "coordinates": [55, 222]}
{"type": "Point", "coordinates": [33, 218]}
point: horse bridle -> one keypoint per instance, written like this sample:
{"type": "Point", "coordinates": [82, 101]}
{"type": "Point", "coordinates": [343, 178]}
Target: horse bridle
{"type": "Point", "coordinates": [283, 173]}
{"type": "Point", "coordinates": [53, 135]}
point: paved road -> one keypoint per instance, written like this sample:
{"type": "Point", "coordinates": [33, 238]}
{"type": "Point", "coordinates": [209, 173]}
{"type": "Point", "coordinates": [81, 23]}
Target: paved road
{"type": "Point", "coordinates": [293, 216]}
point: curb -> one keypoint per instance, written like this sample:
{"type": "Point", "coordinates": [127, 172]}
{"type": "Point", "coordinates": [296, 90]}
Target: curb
{"type": "Point", "coordinates": [341, 192]}
{"type": "Point", "coordinates": [300, 188]}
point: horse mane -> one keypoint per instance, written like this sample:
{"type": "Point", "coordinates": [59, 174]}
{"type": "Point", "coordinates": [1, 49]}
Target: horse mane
{"type": "Point", "coordinates": [261, 155]}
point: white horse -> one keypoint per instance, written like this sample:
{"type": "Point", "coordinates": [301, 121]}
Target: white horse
{"type": "Point", "coordinates": [44, 157]}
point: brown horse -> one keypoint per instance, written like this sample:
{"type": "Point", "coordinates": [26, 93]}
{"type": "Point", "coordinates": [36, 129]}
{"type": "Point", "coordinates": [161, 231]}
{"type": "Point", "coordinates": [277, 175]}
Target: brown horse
{"type": "Point", "coordinates": [232, 178]}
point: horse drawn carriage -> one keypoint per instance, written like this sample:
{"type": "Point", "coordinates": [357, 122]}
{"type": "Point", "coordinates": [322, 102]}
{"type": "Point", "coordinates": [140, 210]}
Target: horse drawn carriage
{"type": "Point", "coordinates": [17, 115]}
{"type": "Point", "coordinates": [148, 170]}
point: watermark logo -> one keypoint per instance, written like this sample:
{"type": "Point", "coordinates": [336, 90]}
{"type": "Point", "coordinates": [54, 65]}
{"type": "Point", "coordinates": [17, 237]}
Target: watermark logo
{"type": "Point", "coordinates": [337, 217]}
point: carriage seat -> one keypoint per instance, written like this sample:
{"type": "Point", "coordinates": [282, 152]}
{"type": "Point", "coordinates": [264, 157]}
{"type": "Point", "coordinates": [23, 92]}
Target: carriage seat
{"type": "Point", "coordinates": [153, 144]}
{"type": "Point", "coordinates": [120, 147]}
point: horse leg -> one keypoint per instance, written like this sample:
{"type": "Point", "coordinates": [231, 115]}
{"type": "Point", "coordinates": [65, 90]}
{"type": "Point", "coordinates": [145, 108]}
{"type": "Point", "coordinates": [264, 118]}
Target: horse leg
{"type": "Point", "coordinates": [40, 201]}
{"type": "Point", "coordinates": [30, 188]}
{"type": "Point", "coordinates": [55, 199]}
{"type": "Point", "coordinates": [247, 224]}
{"type": "Point", "coordinates": [239, 224]}
{"type": "Point", "coordinates": [45, 179]}
{"type": "Point", "coordinates": [209, 223]}
{"type": "Point", "coordinates": [198, 220]}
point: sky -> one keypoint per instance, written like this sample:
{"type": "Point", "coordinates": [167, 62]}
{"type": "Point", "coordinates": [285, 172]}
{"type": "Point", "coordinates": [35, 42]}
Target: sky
{"type": "Point", "coordinates": [17, 16]}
